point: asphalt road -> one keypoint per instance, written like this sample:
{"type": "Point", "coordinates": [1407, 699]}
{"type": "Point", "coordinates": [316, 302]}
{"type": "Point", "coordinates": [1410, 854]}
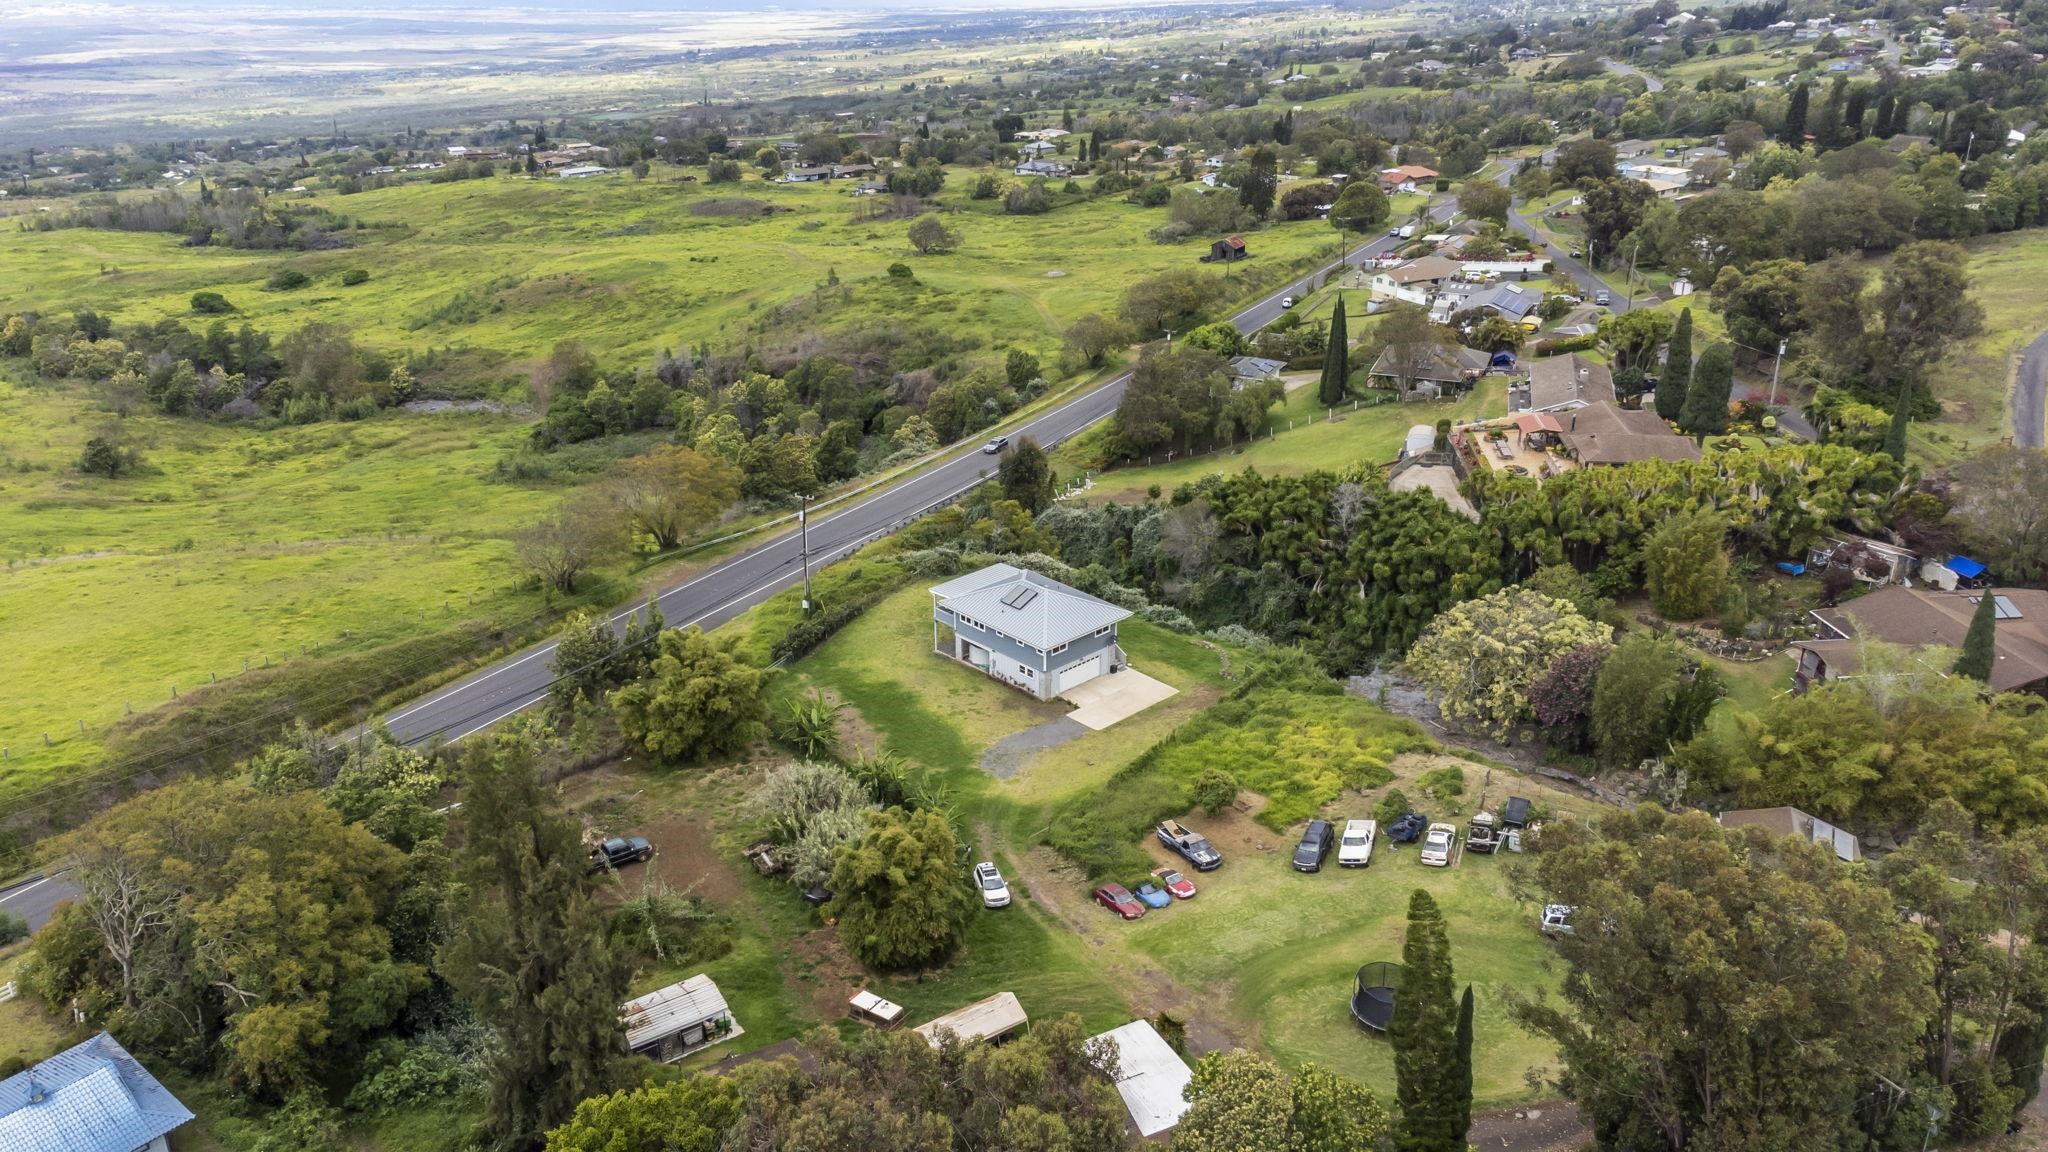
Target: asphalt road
{"type": "Point", "coordinates": [2030, 394]}
{"type": "Point", "coordinates": [1589, 283]}
{"type": "Point", "coordinates": [1649, 81]}
{"type": "Point", "coordinates": [36, 899]}
{"type": "Point", "coordinates": [518, 682]}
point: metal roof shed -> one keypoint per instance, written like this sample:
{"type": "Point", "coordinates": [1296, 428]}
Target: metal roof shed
{"type": "Point", "coordinates": [1150, 1076]}
{"type": "Point", "coordinates": [670, 1023]}
{"type": "Point", "coordinates": [997, 1016]}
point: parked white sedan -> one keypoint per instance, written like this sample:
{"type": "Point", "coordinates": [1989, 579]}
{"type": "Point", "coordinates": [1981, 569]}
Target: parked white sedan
{"type": "Point", "coordinates": [1436, 844]}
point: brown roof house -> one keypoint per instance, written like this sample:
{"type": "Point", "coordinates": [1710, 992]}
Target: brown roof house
{"type": "Point", "coordinates": [1918, 617]}
{"type": "Point", "coordinates": [1557, 383]}
{"type": "Point", "coordinates": [1606, 433]}
{"type": "Point", "coordinates": [1782, 822]}
{"type": "Point", "coordinates": [1428, 370]}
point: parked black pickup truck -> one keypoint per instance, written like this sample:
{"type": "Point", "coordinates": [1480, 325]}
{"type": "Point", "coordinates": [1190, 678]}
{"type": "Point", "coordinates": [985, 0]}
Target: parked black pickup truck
{"type": "Point", "coordinates": [1192, 846]}
{"type": "Point", "coordinates": [620, 851]}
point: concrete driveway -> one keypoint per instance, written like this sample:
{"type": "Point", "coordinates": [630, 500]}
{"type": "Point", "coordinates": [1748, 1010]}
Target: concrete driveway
{"type": "Point", "coordinates": [1107, 699]}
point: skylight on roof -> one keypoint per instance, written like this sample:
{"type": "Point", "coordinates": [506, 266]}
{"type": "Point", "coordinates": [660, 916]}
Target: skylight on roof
{"type": "Point", "coordinates": [1019, 596]}
{"type": "Point", "coordinates": [2003, 609]}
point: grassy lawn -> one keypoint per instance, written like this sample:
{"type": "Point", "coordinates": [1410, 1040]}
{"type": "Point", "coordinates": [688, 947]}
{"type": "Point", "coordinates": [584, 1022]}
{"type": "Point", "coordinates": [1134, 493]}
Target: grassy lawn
{"type": "Point", "coordinates": [27, 1031]}
{"type": "Point", "coordinates": [1366, 437]}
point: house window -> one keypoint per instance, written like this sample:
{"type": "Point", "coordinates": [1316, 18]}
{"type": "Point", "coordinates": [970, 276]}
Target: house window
{"type": "Point", "coordinates": [972, 624]}
{"type": "Point", "coordinates": [1056, 651]}
{"type": "Point", "coordinates": [1105, 630]}
{"type": "Point", "coordinates": [1029, 672]}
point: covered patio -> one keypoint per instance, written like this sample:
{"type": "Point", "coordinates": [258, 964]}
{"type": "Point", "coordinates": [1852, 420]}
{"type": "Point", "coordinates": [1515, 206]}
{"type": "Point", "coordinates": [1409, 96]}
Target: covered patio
{"type": "Point", "coordinates": [1523, 446]}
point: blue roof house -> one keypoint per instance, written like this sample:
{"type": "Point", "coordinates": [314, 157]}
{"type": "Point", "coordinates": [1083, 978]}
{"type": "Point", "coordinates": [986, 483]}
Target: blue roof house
{"type": "Point", "coordinates": [92, 1098]}
{"type": "Point", "coordinates": [1029, 631]}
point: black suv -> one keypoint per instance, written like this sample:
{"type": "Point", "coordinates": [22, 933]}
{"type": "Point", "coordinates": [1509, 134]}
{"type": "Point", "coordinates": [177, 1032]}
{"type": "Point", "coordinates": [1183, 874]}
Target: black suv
{"type": "Point", "coordinates": [620, 851]}
{"type": "Point", "coordinates": [1314, 847]}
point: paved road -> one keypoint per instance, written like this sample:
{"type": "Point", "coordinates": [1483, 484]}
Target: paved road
{"type": "Point", "coordinates": [2030, 394]}
{"type": "Point", "coordinates": [1589, 283]}
{"type": "Point", "coordinates": [36, 899]}
{"type": "Point", "coordinates": [713, 597]}
{"type": "Point", "coordinates": [1617, 67]}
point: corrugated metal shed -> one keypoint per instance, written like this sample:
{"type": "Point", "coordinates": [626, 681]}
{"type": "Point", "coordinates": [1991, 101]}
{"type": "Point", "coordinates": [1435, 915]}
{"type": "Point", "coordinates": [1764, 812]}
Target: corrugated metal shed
{"type": "Point", "coordinates": [667, 1011]}
{"type": "Point", "coordinates": [987, 1019]}
{"type": "Point", "coordinates": [92, 1098]}
{"type": "Point", "coordinates": [1150, 1076]}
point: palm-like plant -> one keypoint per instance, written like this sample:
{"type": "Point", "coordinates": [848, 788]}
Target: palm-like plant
{"type": "Point", "coordinates": [810, 724]}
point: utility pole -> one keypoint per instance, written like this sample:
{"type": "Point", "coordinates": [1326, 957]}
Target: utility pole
{"type": "Point", "coordinates": [803, 530]}
{"type": "Point", "coordinates": [1631, 283]}
{"type": "Point", "coordinates": [1775, 364]}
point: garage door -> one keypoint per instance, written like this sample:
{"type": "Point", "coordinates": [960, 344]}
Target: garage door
{"type": "Point", "coordinates": [1080, 673]}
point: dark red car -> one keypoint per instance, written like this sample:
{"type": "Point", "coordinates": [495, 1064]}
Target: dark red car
{"type": "Point", "coordinates": [1118, 899]}
{"type": "Point", "coordinates": [1171, 880]}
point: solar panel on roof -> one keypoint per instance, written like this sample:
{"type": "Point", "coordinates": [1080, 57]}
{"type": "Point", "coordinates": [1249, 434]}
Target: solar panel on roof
{"type": "Point", "coordinates": [1019, 596]}
{"type": "Point", "coordinates": [2003, 609]}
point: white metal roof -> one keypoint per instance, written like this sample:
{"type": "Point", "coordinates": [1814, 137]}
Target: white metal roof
{"type": "Point", "coordinates": [981, 1020]}
{"type": "Point", "coordinates": [1027, 607]}
{"type": "Point", "coordinates": [884, 1010]}
{"type": "Point", "coordinates": [93, 1097]}
{"type": "Point", "coordinates": [1150, 1076]}
{"type": "Point", "coordinates": [667, 1011]}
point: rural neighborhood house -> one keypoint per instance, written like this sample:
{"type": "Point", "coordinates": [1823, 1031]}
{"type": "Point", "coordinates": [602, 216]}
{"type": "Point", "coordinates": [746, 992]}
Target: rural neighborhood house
{"type": "Point", "coordinates": [1027, 630]}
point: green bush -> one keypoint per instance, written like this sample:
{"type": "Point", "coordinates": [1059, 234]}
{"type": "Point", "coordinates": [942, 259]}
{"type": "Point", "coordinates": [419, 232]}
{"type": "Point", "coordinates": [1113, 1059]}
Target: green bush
{"type": "Point", "coordinates": [12, 928]}
{"type": "Point", "coordinates": [1445, 783]}
{"type": "Point", "coordinates": [287, 280]}
{"type": "Point", "coordinates": [1215, 789]}
{"type": "Point", "coordinates": [1556, 346]}
{"type": "Point", "coordinates": [355, 276]}
{"type": "Point", "coordinates": [1391, 807]}
{"type": "Point", "coordinates": [211, 304]}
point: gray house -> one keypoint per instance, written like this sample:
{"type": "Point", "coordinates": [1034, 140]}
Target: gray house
{"type": "Point", "coordinates": [1027, 630]}
{"type": "Point", "coordinates": [93, 1097]}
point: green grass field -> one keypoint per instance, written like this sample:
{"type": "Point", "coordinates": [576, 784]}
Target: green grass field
{"type": "Point", "coordinates": [233, 545]}
{"type": "Point", "coordinates": [631, 267]}
{"type": "Point", "coordinates": [1972, 383]}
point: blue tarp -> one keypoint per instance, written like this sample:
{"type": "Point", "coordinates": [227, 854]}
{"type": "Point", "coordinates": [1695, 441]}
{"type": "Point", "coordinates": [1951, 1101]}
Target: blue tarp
{"type": "Point", "coordinates": [1791, 568]}
{"type": "Point", "coordinates": [1965, 567]}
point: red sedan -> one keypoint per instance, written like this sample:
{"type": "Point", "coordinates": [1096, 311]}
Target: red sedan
{"type": "Point", "coordinates": [1118, 899]}
{"type": "Point", "coordinates": [1171, 880]}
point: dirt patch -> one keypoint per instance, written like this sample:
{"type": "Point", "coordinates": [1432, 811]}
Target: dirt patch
{"type": "Point", "coordinates": [1235, 831]}
{"type": "Point", "coordinates": [1554, 1127]}
{"type": "Point", "coordinates": [1005, 758]}
{"type": "Point", "coordinates": [686, 857]}
{"type": "Point", "coordinates": [818, 962]}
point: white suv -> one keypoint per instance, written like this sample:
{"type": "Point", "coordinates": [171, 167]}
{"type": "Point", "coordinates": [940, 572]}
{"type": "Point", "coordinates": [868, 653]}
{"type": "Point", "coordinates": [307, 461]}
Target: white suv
{"type": "Point", "coordinates": [1355, 849]}
{"type": "Point", "coordinates": [994, 893]}
{"type": "Point", "coordinates": [1436, 845]}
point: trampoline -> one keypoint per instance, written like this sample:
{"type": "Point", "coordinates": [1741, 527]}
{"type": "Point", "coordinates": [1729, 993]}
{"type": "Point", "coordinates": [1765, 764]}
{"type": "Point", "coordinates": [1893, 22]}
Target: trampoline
{"type": "Point", "coordinates": [1372, 1000]}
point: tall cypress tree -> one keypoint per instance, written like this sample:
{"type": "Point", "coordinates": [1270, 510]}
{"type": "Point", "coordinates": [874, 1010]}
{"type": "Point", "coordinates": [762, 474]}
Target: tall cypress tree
{"type": "Point", "coordinates": [1793, 134]}
{"type": "Point", "coordinates": [1461, 1079]}
{"type": "Point", "coordinates": [531, 955]}
{"type": "Point", "coordinates": [1336, 361]}
{"type": "Point", "coordinates": [1902, 413]}
{"type": "Point", "coordinates": [1706, 400]}
{"type": "Point", "coordinates": [1423, 1034]}
{"type": "Point", "coordinates": [1881, 125]}
{"type": "Point", "coordinates": [1980, 642]}
{"type": "Point", "coordinates": [1677, 377]}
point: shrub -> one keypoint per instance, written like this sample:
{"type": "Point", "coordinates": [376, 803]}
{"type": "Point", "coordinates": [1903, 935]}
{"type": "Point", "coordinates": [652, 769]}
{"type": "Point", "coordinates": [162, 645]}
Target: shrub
{"type": "Point", "coordinates": [211, 304]}
{"type": "Point", "coordinates": [1391, 807]}
{"type": "Point", "coordinates": [901, 271]}
{"type": "Point", "coordinates": [12, 928]}
{"type": "Point", "coordinates": [287, 280]}
{"type": "Point", "coordinates": [355, 276]}
{"type": "Point", "coordinates": [1215, 789]}
{"type": "Point", "coordinates": [1445, 783]}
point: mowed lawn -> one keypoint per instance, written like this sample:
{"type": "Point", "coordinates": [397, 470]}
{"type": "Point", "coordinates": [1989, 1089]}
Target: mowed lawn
{"type": "Point", "coordinates": [1972, 383]}
{"type": "Point", "coordinates": [633, 267]}
{"type": "Point", "coordinates": [232, 544]}
{"type": "Point", "coordinates": [1272, 951]}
